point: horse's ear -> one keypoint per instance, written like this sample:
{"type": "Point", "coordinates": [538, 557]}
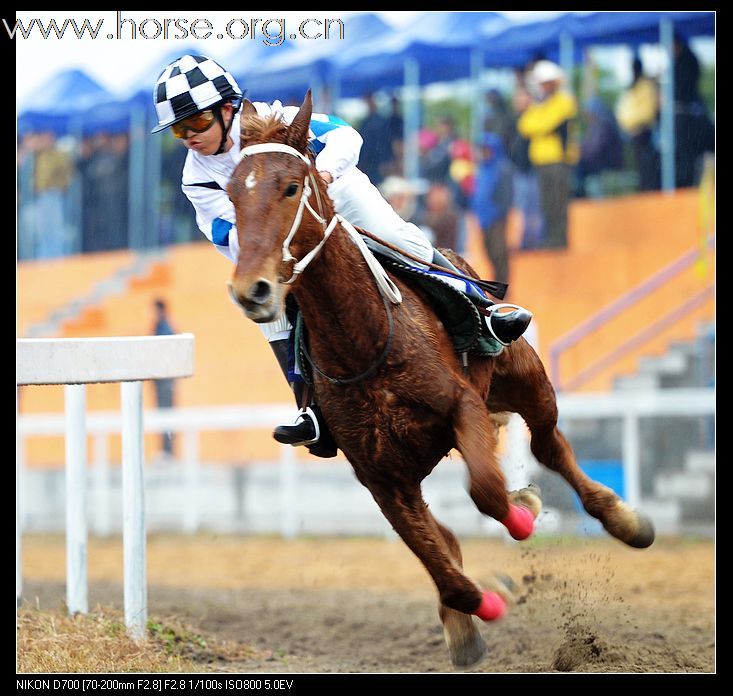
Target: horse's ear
{"type": "Point", "coordinates": [298, 130]}
{"type": "Point", "coordinates": [248, 109]}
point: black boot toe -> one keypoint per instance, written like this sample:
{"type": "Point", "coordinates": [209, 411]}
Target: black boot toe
{"type": "Point", "coordinates": [299, 434]}
{"type": "Point", "coordinates": [509, 327]}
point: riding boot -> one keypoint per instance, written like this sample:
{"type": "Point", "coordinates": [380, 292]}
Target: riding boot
{"type": "Point", "coordinates": [310, 428]}
{"type": "Point", "coordinates": [505, 328]}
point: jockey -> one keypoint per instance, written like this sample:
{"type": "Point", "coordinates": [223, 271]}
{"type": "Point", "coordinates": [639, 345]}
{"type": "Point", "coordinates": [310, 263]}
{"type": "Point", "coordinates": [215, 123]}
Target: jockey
{"type": "Point", "coordinates": [199, 100]}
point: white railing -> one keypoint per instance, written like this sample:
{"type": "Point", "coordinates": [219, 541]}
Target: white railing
{"type": "Point", "coordinates": [630, 406]}
{"type": "Point", "coordinates": [75, 363]}
{"type": "Point", "coordinates": [191, 422]}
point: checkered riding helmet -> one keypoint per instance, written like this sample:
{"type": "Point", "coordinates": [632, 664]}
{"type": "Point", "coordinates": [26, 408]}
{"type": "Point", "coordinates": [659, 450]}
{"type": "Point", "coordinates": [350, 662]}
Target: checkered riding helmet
{"type": "Point", "coordinates": [191, 84]}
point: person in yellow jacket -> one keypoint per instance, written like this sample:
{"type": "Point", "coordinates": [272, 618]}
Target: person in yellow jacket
{"type": "Point", "coordinates": [546, 124]}
{"type": "Point", "coordinates": [636, 113]}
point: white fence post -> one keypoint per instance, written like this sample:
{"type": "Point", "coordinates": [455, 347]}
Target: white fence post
{"type": "Point", "coordinates": [288, 493]}
{"type": "Point", "coordinates": [631, 459]}
{"type": "Point", "coordinates": [76, 499]}
{"type": "Point", "coordinates": [102, 497]}
{"type": "Point", "coordinates": [191, 507]}
{"type": "Point", "coordinates": [133, 508]}
{"type": "Point", "coordinates": [18, 524]}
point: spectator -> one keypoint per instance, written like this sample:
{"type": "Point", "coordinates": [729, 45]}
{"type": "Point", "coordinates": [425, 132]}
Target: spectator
{"type": "Point", "coordinates": [601, 148]}
{"type": "Point", "coordinates": [376, 150]}
{"type": "Point", "coordinates": [437, 159]}
{"type": "Point", "coordinates": [426, 142]}
{"type": "Point", "coordinates": [546, 123]}
{"type": "Point", "coordinates": [462, 170]}
{"type": "Point", "coordinates": [396, 135]}
{"type": "Point", "coordinates": [694, 130]}
{"type": "Point", "coordinates": [499, 118]}
{"type": "Point", "coordinates": [526, 188]}
{"type": "Point", "coordinates": [440, 218]}
{"type": "Point", "coordinates": [53, 172]}
{"type": "Point", "coordinates": [26, 196]}
{"type": "Point", "coordinates": [104, 169]}
{"type": "Point", "coordinates": [637, 112]}
{"type": "Point", "coordinates": [492, 200]}
{"type": "Point", "coordinates": [164, 388]}
{"type": "Point", "coordinates": [400, 194]}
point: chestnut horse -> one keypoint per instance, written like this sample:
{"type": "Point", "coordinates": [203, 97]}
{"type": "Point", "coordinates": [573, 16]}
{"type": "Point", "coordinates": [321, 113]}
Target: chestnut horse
{"type": "Point", "coordinates": [389, 382]}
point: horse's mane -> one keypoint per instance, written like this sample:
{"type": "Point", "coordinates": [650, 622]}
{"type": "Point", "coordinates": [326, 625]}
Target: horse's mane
{"type": "Point", "coordinates": [259, 129]}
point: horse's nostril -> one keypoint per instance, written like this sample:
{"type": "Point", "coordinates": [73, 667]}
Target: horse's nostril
{"type": "Point", "coordinates": [260, 291]}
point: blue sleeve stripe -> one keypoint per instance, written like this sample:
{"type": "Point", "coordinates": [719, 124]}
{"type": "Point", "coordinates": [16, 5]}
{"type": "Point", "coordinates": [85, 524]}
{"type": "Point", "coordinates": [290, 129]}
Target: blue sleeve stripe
{"type": "Point", "coordinates": [220, 232]}
{"type": "Point", "coordinates": [321, 127]}
{"type": "Point", "coordinates": [316, 146]}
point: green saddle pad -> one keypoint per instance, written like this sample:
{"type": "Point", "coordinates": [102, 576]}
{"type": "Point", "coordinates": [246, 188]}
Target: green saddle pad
{"type": "Point", "coordinates": [458, 314]}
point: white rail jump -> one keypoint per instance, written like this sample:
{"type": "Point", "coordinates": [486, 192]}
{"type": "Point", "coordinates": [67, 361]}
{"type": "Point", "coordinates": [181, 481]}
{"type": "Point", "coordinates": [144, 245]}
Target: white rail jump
{"type": "Point", "coordinates": [76, 363]}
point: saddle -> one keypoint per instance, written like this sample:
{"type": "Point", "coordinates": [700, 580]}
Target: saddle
{"type": "Point", "coordinates": [458, 314]}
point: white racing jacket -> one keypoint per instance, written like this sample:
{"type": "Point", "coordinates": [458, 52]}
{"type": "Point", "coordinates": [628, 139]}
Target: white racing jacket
{"type": "Point", "coordinates": [205, 177]}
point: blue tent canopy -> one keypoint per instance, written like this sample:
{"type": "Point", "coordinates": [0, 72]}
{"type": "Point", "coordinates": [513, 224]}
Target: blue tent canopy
{"type": "Point", "coordinates": [634, 28]}
{"type": "Point", "coordinates": [57, 100]}
{"type": "Point", "coordinates": [441, 43]}
{"type": "Point", "coordinates": [521, 43]}
{"type": "Point", "coordinates": [288, 75]}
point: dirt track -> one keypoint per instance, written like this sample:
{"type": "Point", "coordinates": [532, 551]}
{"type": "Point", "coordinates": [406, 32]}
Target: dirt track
{"type": "Point", "coordinates": [367, 605]}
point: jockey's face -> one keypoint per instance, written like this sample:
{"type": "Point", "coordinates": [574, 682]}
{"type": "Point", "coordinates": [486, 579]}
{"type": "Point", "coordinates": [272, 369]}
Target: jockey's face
{"type": "Point", "coordinates": [207, 142]}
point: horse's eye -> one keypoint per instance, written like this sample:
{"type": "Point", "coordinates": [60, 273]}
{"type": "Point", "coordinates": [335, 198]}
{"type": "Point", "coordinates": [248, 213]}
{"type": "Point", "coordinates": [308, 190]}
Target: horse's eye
{"type": "Point", "coordinates": [291, 190]}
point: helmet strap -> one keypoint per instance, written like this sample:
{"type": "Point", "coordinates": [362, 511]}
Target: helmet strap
{"type": "Point", "coordinates": [224, 129]}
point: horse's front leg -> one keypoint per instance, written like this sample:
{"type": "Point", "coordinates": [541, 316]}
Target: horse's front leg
{"type": "Point", "coordinates": [403, 505]}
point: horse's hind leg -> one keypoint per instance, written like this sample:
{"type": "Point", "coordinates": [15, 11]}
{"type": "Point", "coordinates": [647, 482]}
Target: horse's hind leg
{"type": "Point", "coordinates": [520, 384]}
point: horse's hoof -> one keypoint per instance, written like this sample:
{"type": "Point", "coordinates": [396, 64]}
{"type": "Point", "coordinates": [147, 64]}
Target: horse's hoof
{"type": "Point", "coordinates": [645, 536]}
{"type": "Point", "coordinates": [530, 497]}
{"type": "Point", "coordinates": [467, 654]}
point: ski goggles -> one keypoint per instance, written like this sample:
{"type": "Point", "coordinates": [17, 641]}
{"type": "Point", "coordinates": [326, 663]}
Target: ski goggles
{"type": "Point", "coordinates": [199, 123]}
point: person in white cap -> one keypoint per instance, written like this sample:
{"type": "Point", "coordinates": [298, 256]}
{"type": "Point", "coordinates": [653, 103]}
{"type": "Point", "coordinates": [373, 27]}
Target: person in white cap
{"type": "Point", "coordinates": [199, 101]}
{"type": "Point", "coordinates": [545, 124]}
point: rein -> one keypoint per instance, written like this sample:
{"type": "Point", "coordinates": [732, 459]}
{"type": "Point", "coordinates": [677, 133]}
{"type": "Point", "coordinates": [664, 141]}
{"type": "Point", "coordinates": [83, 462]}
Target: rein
{"type": "Point", "coordinates": [388, 290]}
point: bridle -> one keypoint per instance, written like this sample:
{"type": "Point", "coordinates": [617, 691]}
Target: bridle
{"type": "Point", "coordinates": [389, 291]}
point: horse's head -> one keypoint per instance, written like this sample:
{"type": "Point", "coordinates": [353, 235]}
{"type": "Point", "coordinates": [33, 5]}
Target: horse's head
{"type": "Point", "coordinates": [267, 190]}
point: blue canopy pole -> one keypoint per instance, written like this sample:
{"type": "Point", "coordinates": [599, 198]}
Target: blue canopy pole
{"type": "Point", "coordinates": [567, 58]}
{"type": "Point", "coordinates": [478, 108]}
{"type": "Point", "coordinates": [667, 140]}
{"type": "Point", "coordinates": [151, 230]}
{"type": "Point", "coordinates": [317, 89]}
{"type": "Point", "coordinates": [335, 87]}
{"type": "Point", "coordinates": [136, 178]}
{"type": "Point", "coordinates": [412, 118]}
{"type": "Point", "coordinates": [74, 200]}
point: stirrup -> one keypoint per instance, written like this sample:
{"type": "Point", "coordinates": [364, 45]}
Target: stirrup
{"type": "Point", "coordinates": [304, 412]}
{"type": "Point", "coordinates": [526, 317]}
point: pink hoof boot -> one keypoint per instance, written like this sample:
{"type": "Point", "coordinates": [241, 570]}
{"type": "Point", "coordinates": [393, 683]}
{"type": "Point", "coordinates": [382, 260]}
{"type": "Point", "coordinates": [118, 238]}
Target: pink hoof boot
{"type": "Point", "coordinates": [492, 607]}
{"type": "Point", "coordinates": [519, 522]}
